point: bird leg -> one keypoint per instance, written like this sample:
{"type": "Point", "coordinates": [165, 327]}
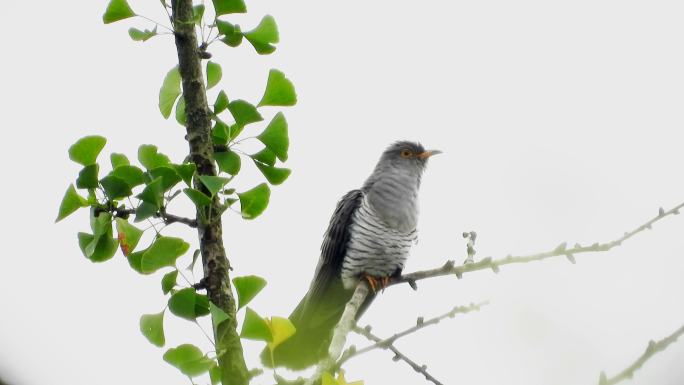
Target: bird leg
{"type": "Point", "coordinates": [372, 282]}
{"type": "Point", "coordinates": [385, 283]}
{"type": "Point", "coordinates": [375, 282]}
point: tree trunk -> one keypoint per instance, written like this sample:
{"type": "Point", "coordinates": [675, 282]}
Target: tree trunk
{"type": "Point", "coordinates": [214, 260]}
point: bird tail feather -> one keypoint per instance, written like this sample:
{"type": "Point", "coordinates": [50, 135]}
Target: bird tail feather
{"type": "Point", "coordinates": [314, 318]}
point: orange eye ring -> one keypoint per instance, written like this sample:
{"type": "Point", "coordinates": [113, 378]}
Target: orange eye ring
{"type": "Point", "coordinates": [406, 153]}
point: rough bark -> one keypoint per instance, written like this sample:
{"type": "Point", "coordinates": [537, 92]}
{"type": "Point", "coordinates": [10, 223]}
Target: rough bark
{"type": "Point", "coordinates": [214, 260]}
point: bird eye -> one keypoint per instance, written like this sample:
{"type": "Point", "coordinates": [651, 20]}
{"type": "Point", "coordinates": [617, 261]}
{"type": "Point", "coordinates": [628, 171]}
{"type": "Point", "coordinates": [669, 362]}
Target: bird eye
{"type": "Point", "coordinates": [406, 153]}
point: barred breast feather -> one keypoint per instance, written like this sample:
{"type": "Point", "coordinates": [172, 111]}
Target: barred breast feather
{"type": "Point", "coordinates": [375, 248]}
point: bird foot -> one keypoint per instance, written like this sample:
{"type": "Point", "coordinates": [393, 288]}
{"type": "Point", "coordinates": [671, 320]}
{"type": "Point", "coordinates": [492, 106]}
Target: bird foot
{"type": "Point", "coordinates": [374, 282]}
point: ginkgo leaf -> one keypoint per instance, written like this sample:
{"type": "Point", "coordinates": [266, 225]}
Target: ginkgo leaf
{"type": "Point", "coordinates": [169, 92]}
{"type": "Point", "coordinates": [117, 10]}
{"type": "Point", "coordinates": [279, 91]}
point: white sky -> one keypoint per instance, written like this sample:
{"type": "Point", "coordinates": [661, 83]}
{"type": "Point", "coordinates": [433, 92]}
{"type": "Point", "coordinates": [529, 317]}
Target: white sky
{"type": "Point", "coordinates": [560, 121]}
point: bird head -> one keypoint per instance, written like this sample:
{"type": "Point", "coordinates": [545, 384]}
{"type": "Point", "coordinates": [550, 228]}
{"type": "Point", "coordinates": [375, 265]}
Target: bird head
{"type": "Point", "coordinates": [406, 155]}
{"type": "Point", "coordinates": [402, 161]}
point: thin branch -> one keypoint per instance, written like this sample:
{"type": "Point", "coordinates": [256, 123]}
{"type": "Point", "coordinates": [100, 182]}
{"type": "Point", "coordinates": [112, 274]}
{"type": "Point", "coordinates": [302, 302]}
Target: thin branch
{"type": "Point", "coordinates": [420, 323]}
{"type": "Point", "coordinates": [168, 218]}
{"type": "Point", "coordinates": [388, 343]}
{"type": "Point", "coordinates": [422, 369]}
{"type": "Point", "coordinates": [561, 250]}
{"type": "Point", "coordinates": [652, 348]}
{"type": "Point", "coordinates": [347, 321]}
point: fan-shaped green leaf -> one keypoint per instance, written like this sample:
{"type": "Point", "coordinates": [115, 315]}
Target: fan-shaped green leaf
{"type": "Point", "coordinates": [224, 7]}
{"type": "Point", "coordinates": [150, 157]}
{"type": "Point", "coordinates": [264, 35]}
{"type": "Point", "coordinates": [180, 111]}
{"type": "Point", "coordinates": [144, 211]}
{"type": "Point", "coordinates": [186, 171]}
{"type": "Point", "coordinates": [253, 202]}
{"type": "Point", "coordinates": [232, 35]}
{"type": "Point", "coordinates": [169, 281]}
{"type": "Point", "coordinates": [139, 35]}
{"type": "Point", "coordinates": [219, 133]}
{"type": "Point", "coordinates": [70, 203]}
{"type": "Point", "coordinates": [213, 183]}
{"type": "Point", "coordinates": [279, 91]}
{"type": "Point", "coordinates": [169, 176]}
{"type": "Point", "coordinates": [214, 74]}
{"type": "Point", "coordinates": [217, 315]}
{"type": "Point", "coordinates": [197, 197]}
{"type": "Point", "coordinates": [135, 260]}
{"type": "Point", "coordinates": [189, 360]}
{"type": "Point", "coordinates": [132, 175]}
{"type": "Point", "coordinates": [221, 102]}
{"type": "Point", "coordinates": [265, 156]}
{"type": "Point", "coordinates": [275, 137]}
{"type": "Point", "coordinates": [247, 288]}
{"type": "Point", "coordinates": [119, 160]}
{"type": "Point", "coordinates": [153, 193]}
{"type": "Point", "coordinates": [115, 187]}
{"type": "Point", "coordinates": [169, 92]}
{"type": "Point", "coordinates": [87, 177]}
{"type": "Point", "coordinates": [117, 10]}
{"type": "Point", "coordinates": [98, 249]}
{"type": "Point", "coordinates": [86, 149]}
{"type": "Point", "coordinates": [228, 161]}
{"type": "Point", "coordinates": [152, 327]}
{"type": "Point", "coordinates": [188, 304]}
{"type": "Point", "coordinates": [274, 175]}
{"type": "Point", "coordinates": [234, 130]}
{"type": "Point", "coordinates": [254, 327]}
{"type": "Point", "coordinates": [244, 113]}
{"type": "Point", "coordinates": [163, 252]}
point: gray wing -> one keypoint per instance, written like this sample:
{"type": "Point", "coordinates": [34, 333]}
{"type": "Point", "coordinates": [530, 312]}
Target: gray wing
{"type": "Point", "coordinates": [335, 242]}
{"type": "Point", "coordinates": [320, 309]}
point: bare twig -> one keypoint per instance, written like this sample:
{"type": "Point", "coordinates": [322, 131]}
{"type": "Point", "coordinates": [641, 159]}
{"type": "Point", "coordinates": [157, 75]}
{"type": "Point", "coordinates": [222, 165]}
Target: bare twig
{"type": "Point", "coordinates": [652, 348]}
{"type": "Point", "coordinates": [422, 369]}
{"type": "Point", "coordinates": [388, 343]}
{"type": "Point", "coordinates": [346, 322]}
{"type": "Point", "coordinates": [561, 250]}
{"type": "Point", "coordinates": [420, 323]}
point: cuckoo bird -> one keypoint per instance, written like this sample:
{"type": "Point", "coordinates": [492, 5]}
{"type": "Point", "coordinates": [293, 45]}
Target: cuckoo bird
{"type": "Point", "coordinates": [369, 237]}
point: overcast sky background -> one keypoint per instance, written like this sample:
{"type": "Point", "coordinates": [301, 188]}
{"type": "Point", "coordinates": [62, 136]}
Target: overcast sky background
{"type": "Point", "coordinates": [559, 121]}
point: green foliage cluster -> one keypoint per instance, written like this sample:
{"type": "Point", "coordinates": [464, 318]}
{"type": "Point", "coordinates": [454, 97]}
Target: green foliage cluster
{"type": "Point", "coordinates": [129, 194]}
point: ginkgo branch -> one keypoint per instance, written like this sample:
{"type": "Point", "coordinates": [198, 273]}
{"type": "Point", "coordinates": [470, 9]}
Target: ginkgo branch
{"type": "Point", "coordinates": [166, 217]}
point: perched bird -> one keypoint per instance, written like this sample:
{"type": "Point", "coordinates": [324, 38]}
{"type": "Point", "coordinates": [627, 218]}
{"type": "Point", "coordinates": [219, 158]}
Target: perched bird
{"type": "Point", "coordinates": [369, 237]}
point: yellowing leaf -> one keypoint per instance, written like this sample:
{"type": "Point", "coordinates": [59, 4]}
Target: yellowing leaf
{"type": "Point", "coordinates": [328, 379]}
{"type": "Point", "coordinates": [343, 381]}
{"type": "Point", "coordinates": [281, 330]}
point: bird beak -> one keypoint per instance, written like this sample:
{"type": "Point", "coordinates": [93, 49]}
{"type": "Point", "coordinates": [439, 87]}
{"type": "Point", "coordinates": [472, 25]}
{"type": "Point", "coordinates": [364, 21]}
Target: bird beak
{"type": "Point", "coordinates": [428, 153]}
